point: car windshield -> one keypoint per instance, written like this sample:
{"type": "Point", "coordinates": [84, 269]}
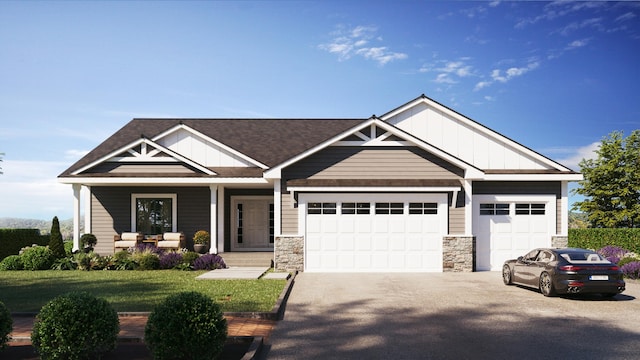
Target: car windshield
{"type": "Point", "coordinates": [584, 257]}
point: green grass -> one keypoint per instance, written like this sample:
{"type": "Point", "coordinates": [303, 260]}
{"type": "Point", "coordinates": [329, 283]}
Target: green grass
{"type": "Point", "coordinates": [28, 291]}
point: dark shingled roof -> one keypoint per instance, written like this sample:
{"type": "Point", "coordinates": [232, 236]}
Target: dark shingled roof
{"type": "Point", "coordinates": [269, 141]}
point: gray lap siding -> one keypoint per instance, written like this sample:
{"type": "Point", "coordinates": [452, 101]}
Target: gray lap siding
{"type": "Point", "coordinates": [111, 211]}
{"type": "Point", "coordinates": [393, 163]}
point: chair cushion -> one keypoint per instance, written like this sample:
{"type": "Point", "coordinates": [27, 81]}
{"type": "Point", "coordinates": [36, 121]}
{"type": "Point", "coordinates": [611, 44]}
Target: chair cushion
{"type": "Point", "coordinates": [125, 243]}
{"type": "Point", "coordinates": [169, 244]}
{"type": "Point", "coordinates": [129, 236]}
{"type": "Point", "coordinates": [172, 236]}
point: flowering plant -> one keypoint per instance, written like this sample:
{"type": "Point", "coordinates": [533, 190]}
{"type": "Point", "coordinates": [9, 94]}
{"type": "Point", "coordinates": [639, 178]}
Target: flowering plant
{"type": "Point", "coordinates": [201, 237]}
{"type": "Point", "coordinates": [612, 253]}
{"type": "Point", "coordinates": [631, 270]}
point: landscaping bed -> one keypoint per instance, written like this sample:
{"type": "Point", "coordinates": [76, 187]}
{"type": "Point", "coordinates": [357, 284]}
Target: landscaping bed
{"type": "Point", "coordinates": [234, 349]}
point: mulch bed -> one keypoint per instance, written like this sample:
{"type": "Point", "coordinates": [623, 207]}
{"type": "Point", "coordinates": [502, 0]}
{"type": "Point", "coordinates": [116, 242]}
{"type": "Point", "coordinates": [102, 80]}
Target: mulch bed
{"type": "Point", "coordinates": [233, 350]}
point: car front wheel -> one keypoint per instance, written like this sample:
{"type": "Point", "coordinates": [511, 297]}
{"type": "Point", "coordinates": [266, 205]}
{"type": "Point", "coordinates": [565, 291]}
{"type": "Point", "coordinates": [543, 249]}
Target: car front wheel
{"type": "Point", "coordinates": [546, 285]}
{"type": "Point", "coordinates": [506, 275]}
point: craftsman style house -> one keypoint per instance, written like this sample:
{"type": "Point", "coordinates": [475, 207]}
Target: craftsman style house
{"type": "Point", "coordinates": [420, 188]}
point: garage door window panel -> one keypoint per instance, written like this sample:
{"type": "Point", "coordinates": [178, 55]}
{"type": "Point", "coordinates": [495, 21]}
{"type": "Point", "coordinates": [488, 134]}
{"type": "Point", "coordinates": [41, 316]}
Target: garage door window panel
{"type": "Point", "coordinates": [392, 208]}
{"type": "Point", "coordinates": [494, 209]}
{"type": "Point", "coordinates": [430, 208]}
{"type": "Point", "coordinates": [317, 208]}
{"type": "Point", "coordinates": [353, 208]}
{"type": "Point", "coordinates": [530, 209]}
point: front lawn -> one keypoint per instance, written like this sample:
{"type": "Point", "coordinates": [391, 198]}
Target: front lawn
{"type": "Point", "coordinates": [28, 291]}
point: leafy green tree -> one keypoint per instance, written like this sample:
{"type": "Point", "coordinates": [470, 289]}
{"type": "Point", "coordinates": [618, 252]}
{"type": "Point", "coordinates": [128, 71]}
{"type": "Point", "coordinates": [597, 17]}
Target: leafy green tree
{"type": "Point", "coordinates": [56, 245]}
{"type": "Point", "coordinates": [611, 184]}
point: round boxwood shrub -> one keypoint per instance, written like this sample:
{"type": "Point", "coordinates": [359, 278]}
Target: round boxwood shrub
{"type": "Point", "coordinates": [37, 258]}
{"type": "Point", "coordinates": [187, 325]}
{"type": "Point", "coordinates": [6, 325]}
{"type": "Point", "coordinates": [76, 325]}
{"type": "Point", "coordinates": [11, 262]}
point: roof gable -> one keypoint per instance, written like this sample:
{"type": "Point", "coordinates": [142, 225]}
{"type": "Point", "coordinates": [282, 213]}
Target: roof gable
{"type": "Point", "coordinates": [143, 151]}
{"type": "Point", "coordinates": [260, 142]}
{"type": "Point", "coordinates": [466, 139]}
{"type": "Point", "coordinates": [375, 132]}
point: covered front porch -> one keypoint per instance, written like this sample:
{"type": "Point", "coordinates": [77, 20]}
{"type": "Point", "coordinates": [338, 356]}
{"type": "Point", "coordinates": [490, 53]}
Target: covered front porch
{"type": "Point", "coordinates": [240, 217]}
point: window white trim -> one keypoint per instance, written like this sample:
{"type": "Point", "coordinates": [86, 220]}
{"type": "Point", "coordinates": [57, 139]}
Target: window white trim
{"type": "Point", "coordinates": [174, 207]}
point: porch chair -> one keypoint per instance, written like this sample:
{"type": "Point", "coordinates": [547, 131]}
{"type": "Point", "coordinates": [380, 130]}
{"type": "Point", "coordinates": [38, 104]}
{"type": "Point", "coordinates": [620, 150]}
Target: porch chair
{"type": "Point", "coordinates": [172, 240]}
{"type": "Point", "coordinates": [127, 240]}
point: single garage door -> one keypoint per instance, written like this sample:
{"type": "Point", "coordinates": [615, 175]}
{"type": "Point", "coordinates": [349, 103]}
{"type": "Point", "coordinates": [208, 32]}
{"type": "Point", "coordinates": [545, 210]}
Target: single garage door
{"type": "Point", "coordinates": [509, 226]}
{"type": "Point", "coordinates": [373, 232]}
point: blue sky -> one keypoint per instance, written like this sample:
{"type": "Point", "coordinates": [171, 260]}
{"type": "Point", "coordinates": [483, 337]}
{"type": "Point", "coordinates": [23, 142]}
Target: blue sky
{"type": "Point", "coordinates": [556, 77]}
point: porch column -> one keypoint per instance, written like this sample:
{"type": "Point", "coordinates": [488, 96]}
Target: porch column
{"type": "Point", "coordinates": [76, 216]}
{"type": "Point", "coordinates": [468, 207]}
{"type": "Point", "coordinates": [213, 219]}
{"type": "Point", "coordinates": [87, 211]}
{"type": "Point", "coordinates": [277, 208]}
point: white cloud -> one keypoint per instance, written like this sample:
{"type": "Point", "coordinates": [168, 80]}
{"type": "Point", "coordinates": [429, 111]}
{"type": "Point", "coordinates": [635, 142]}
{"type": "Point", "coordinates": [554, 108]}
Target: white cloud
{"type": "Point", "coordinates": [356, 41]}
{"type": "Point", "coordinates": [30, 189]}
{"type": "Point", "coordinates": [449, 71]}
{"type": "Point", "coordinates": [503, 76]}
{"type": "Point", "coordinates": [573, 156]}
{"type": "Point", "coordinates": [578, 44]}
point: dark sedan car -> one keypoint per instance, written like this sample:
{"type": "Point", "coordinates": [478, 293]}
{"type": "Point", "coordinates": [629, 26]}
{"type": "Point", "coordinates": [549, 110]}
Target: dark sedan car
{"type": "Point", "coordinates": [564, 271]}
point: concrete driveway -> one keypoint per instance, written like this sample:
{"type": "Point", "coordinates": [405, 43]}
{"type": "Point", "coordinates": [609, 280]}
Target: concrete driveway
{"type": "Point", "coordinates": [449, 316]}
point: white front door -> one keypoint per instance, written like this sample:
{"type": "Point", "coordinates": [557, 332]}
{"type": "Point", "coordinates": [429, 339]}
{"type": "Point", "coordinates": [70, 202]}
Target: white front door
{"type": "Point", "coordinates": [373, 232]}
{"type": "Point", "coordinates": [252, 224]}
{"type": "Point", "coordinates": [508, 226]}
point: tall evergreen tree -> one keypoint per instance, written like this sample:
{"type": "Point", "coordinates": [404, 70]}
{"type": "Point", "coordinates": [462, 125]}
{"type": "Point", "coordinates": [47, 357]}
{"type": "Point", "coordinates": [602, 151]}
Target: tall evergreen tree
{"type": "Point", "coordinates": [56, 244]}
{"type": "Point", "coordinates": [611, 184]}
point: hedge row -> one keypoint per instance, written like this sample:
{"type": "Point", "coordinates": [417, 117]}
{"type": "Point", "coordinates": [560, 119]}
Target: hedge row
{"type": "Point", "coordinates": [628, 239]}
{"type": "Point", "coordinates": [12, 240]}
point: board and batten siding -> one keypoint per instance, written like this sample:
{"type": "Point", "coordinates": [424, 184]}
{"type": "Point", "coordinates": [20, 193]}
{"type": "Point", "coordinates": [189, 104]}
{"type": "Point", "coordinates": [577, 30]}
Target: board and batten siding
{"type": "Point", "coordinates": [523, 188]}
{"type": "Point", "coordinates": [346, 162]}
{"type": "Point", "coordinates": [111, 211]}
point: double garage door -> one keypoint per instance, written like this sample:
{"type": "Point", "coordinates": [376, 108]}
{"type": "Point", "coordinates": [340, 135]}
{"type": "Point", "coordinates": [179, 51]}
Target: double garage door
{"type": "Point", "coordinates": [373, 232]}
{"type": "Point", "coordinates": [508, 226]}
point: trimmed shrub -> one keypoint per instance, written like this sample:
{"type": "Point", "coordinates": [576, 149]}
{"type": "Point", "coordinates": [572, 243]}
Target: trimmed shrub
{"type": "Point", "coordinates": [148, 262]}
{"type": "Point", "coordinates": [37, 258]}
{"type": "Point", "coordinates": [209, 262]}
{"type": "Point", "coordinates": [56, 244]}
{"type": "Point", "coordinates": [75, 326]}
{"type": "Point", "coordinates": [12, 240]}
{"type": "Point", "coordinates": [596, 238]}
{"type": "Point", "coordinates": [6, 325]}
{"type": "Point", "coordinates": [187, 325]}
{"type": "Point", "coordinates": [170, 260]}
{"type": "Point", "coordinates": [631, 270]}
{"type": "Point", "coordinates": [88, 241]}
{"type": "Point", "coordinates": [11, 262]}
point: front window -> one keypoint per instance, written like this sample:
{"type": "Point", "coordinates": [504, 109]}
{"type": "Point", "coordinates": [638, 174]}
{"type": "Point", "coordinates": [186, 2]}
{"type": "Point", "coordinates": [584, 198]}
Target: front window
{"type": "Point", "coordinates": [153, 214]}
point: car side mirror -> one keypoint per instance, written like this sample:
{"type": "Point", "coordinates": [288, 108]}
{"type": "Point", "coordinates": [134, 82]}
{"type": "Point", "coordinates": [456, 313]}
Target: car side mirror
{"type": "Point", "coordinates": [520, 258]}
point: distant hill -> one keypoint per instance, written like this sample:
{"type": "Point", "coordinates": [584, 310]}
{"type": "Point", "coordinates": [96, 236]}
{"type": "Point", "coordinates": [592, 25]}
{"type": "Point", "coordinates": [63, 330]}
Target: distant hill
{"type": "Point", "coordinates": [66, 226]}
